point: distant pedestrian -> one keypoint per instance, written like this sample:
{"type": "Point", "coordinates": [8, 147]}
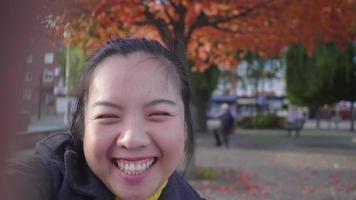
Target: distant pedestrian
{"type": "Point", "coordinates": [336, 117]}
{"type": "Point", "coordinates": [295, 121]}
{"type": "Point", "coordinates": [227, 123]}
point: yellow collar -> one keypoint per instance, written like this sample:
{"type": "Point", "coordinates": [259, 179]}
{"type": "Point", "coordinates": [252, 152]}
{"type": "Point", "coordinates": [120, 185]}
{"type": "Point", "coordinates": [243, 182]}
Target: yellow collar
{"type": "Point", "coordinates": [155, 195]}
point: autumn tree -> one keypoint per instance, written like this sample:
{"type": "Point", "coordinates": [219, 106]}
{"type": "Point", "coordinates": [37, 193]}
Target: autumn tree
{"type": "Point", "coordinates": [311, 23]}
{"type": "Point", "coordinates": [208, 33]}
{"type": "Point", "coordinates": [203, 33]}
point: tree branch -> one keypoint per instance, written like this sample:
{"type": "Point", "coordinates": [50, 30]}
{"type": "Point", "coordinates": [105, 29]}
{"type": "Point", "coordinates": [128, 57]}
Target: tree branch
{"type": "Point", "coordinates": [161, 26]}
{"type": "Point", "coordinates": [175, 6]}
{"type": "Point", "coordinates": [179, 25]}
{"type": "Point", "coordinates": [165, 10]}
{"type": "Point", "coordinates": [204, 20]}
{"type": "Point", "coordinates": [224, 29]}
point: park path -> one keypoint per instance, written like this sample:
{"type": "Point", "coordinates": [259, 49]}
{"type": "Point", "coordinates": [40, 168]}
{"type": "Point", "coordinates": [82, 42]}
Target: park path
{"type": "Point", "coordinates": [265, 164]}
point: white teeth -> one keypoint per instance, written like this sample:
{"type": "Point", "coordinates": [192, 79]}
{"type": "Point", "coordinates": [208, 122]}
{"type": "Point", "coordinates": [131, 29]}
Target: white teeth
{"type": "Point", "coordinates": [134, 167]}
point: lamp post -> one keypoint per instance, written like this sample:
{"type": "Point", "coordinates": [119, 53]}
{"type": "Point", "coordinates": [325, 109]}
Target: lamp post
{"type": "Point", "coordinates": [40, 97]}
{"type": "Point", "coordinates": [66, 87]}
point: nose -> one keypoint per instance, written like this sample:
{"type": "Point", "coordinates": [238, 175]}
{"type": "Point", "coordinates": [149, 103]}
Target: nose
{"type": "Point", "coordinates": [134, 135]}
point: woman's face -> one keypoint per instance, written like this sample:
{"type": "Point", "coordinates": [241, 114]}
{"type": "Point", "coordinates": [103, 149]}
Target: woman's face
{"type": "Point", "coordinates": [134, 125]}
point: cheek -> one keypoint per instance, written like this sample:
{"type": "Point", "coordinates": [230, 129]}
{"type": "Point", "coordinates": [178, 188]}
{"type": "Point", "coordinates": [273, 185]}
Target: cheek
{"type": "Point", "coordinates": [95, 145]}
{"type": "Point", "coordinates": [90, 143]}
{"type": "Point", "coordinates": [170, 138]}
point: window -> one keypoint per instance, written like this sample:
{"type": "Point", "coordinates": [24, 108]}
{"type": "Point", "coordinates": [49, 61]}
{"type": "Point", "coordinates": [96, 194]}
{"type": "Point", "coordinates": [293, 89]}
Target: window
{"type": "Point", "coordinates": [48, 58]}
{"type": "Point", "coordinates": [27, 94]}
{"type": "Point", "coordinates": [57, 71]}
{"type": "Point", "coordinates": [29, 59]}
{"type": "Point", "coordinates": [48, 99]}
{"type": "Point", "coordinates": [48, 75]}
{"type": "Point", "coordinates": [28, 76]}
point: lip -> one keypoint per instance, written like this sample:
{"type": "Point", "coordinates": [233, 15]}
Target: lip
{"type": "Point", "coordinates": [134, 179]}
{"type": "Point", "coordinates": [134, 159]}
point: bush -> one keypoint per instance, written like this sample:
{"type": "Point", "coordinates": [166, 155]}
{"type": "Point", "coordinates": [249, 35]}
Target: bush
{"type": "Point", "coordinates": [205, 174]}
{"type": "Point", "coordinates": [269, 121]}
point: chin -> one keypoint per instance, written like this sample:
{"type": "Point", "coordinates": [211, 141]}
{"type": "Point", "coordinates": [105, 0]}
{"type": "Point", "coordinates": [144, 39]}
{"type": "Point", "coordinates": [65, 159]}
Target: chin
{"type": "Point", "coordinates": [133, 197]}
{"type": "Point", "coordinates": [135, 193]}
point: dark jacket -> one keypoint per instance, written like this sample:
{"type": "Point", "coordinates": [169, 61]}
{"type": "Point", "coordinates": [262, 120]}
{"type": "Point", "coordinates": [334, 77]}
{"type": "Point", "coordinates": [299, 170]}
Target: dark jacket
{"type": "Point", "coordinates": [59, 172]}
{"type": "Point", "coordinates": [227, 121]}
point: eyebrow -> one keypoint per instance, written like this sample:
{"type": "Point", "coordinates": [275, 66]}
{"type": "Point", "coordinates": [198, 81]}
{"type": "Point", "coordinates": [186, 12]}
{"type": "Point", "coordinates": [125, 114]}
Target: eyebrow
{"type": "Point", "coordinates": [107, 104]}
{"type": "Point", "coordinates": [149, 104]}
{"type": "Point", "coordinates": [160, 101]}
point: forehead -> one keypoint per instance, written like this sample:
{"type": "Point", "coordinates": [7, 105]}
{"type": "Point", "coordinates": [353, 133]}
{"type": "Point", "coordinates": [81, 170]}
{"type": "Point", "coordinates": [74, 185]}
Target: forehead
{"type": "Point", "coordinates": [137, 71]}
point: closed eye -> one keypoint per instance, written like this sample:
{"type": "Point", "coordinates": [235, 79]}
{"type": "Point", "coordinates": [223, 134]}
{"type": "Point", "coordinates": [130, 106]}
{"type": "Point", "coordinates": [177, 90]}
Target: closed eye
{"type": "Point", "coordinates": [108, 118]}
{"type": "Point", "coordinates": [159, 116]}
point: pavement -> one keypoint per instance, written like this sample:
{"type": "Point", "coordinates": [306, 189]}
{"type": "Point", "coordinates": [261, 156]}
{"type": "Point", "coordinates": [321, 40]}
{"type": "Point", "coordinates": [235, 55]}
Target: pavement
{"type": "Point", "coordinates": [266, 164]}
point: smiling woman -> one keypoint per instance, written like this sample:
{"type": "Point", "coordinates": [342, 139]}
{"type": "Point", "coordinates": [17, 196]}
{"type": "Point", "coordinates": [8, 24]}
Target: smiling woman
{"type": "Point", "coordinates": [129, 133]}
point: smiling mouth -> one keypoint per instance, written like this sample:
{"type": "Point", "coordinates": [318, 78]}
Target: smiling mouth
{"type": "Point", "coordinates": [133, 168]}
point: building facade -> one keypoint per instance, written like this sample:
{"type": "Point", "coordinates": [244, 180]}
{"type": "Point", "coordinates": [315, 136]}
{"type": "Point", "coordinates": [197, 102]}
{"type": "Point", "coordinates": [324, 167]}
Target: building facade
{"type": "Point", "coordinates": [41, 75]}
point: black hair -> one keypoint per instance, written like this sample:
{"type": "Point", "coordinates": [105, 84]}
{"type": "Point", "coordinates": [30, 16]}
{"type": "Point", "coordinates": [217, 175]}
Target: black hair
{"type": "Point", "coordinates": [124, 47]}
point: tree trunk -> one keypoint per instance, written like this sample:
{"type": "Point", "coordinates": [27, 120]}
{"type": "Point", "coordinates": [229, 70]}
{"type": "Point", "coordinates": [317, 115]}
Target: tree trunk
{"type": "Point", "coordinates": [199, 115]}
{"type": "Point", "coordinates": [352, 118]}
{"type": "Point", "coordinates": [233, 83]}
{"type": "Point", "coordinates": [202, 86]}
